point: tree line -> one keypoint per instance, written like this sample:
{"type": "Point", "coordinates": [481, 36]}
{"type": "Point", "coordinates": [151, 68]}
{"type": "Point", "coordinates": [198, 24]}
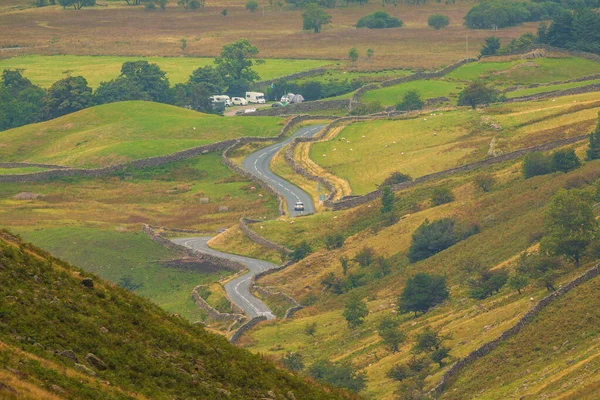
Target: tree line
{"type": "Point", "coordinates": [22, 102]}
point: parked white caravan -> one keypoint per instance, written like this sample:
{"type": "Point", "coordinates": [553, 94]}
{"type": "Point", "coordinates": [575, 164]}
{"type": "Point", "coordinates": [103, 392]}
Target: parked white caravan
{"type": "Point", "coordinates": [255, 97]}
{"type": "Point", "coordinates": [225, 99]}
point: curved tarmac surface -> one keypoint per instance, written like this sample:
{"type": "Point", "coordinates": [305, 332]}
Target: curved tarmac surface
{"type": "Point", "coordinates": [258, 162]}
{"type": "Point", "coordinates": [238, 289]}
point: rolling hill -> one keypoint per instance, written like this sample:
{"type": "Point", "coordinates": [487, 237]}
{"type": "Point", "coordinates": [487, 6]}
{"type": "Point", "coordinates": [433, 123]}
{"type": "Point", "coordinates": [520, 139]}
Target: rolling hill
{"type": "Point", "coordinates": [125, 131]}
{"type": "Point", "coordinates": [67, 334]}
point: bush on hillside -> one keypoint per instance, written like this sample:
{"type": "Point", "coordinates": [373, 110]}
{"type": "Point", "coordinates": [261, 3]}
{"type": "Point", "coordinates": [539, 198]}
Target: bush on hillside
{"type": "Point", "coordinates": [410, 102]}
{"type": "Point", "coordinates": [536, 163]}
{"type": "Point", "coordinates": [342, 375]}
{"type": "Point", "coordinates": [301, 251]}
{"type": "Point", "coordinates": [477, 93]}
{"type": "Point", "coordinates": [442, 195]}
{"type": "Point", "coordinates": [496, 14]}
{"type": "Point", "coordinates": [564, 161]}
{"type": "Point", "coordinates": [422, 292]}
{"type": "Point", "coordinates": [379, 20]}
{"type": "Point", "coordinates": [491, 46]}
{"type": "Point", "coordinates": [431, 238]}
{"type": "Point", "coordinates": [486, 283]}
{"type": "Point", "coordinates": [334, 241]}
{"type": "Point", "coordinates": [395, 178]}
{"type": "Point", "coordinates": [438, 21]}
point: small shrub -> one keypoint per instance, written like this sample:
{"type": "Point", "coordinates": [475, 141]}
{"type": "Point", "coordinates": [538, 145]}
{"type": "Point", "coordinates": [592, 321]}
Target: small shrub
{"type": "Point", "coordinates": [442, 195]}
{"type": "Point", "coordinates": [251, 5]}
{"type": "Point", "coordinates": [438, 21]}
{"type": "Point", "coordinates": [365, 257]}
{"type": "Point", "coordinates": [293, 361]}
{"type": "Point", "coordinates": [301, 251]}
{"type": "Point", "coordinates": [536, 163]}
{"type": "Point", "coordinates": [334, 241]}
{"type": "Point", "coordinates": [395, 178]}
{"type": "Point", "coordinates": [379, 20]}
{"type": "Point", "coordinates": [484, 182]}
{"type": "Point", "coordinates": [431, 238]}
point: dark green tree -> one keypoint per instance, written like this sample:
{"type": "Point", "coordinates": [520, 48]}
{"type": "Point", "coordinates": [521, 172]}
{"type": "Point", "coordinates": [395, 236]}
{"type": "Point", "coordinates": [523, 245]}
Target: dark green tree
{"type": "Point", "coordinates": [235, 62]}
{"type": "Point", "coordinates": [392, 336]}
{"type": "Point", "coordinates": [570, 224]}
{"type": "Point", "coordinates": [564, 160]}
{"type": "Point", "coordinates": [387, 200]}
{"type": "Point", "coordinates": [491, 46]}
{"type": "Point", "coordinates": [422, 292]}
{"type": "Point", "coordinates": [410, 101]}
{"type": "Point", "coordinates": [209, 76]}
{"type": "Point", "coordinates": [66, 96]}
{"type": "Point", "coordinates": [119, 89]}
{"type": "Point", "coordinates": [353, 55]}
{"type": "Point", "coordinates": [345, 263]}
{"type": "Point", "coordinates": [343, 375]}
{"type": "Point", "coordinates": [593, 152]}
{"type": "Point", "coordinates": [430, 342]}
{"type": "Point", "coordinates": [438, 21]}
{"type": "Point", "coordinates": [536, 163]}
{"type": "Point", "coordinates": [477, 93]}
{"type": "Point", "coordinates": [149, 78]}
{"type": "Point", "coordinates": [365, 257]}
{"type": "Point", "coordinates": [293, 361]}
{"type": "Point", "coordinates": [301, 251]}
{"type": "Point", "coordinates": [431, 238]}
{"type": "Point", "coordinates": [314, 18]}
{"type": "Point", "coordinates": [484, 182]}
{"type": "Point", "coordinates": [517, 282]}
{"type": "Point", "coordinates": [251, 5]}
{"type": "Point", "coordinates": [442, 195]}
{"type": "Point", "coordinates": [486, 283]}
{"type": "Point", "coordinates": [355, 310]}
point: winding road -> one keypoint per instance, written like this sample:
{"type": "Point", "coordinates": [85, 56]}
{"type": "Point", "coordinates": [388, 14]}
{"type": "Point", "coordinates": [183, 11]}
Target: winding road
{"type": "Point", "coordinates": [258, 162]}
{"type": "Point", "coordinates": [238, 289]}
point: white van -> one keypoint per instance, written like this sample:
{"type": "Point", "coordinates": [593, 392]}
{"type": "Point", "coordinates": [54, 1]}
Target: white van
{"type": "Point", "coordinates": [255, 97]}
{"type": "Point", "coordinates": [225, 99]}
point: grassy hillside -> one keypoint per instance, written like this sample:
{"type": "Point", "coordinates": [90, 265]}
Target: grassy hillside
{"type": "Point", "coordinates": [556, 356]}
{"type": "Point", "coordinates": [45, 70]}
{"type": "Point", "coordinates": [120, 132]}
{"type": "Point", "coordinates": [499, 72]}
{"type": "Point", "coordinates": [510, 218]}
{"type": "Point", "coordinates": [435, 142]}
{"type": "Point", "coordinates": [60, 339]}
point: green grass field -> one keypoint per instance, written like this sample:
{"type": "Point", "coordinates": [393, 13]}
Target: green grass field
{"type": "Point", "coordinates": [499, 73]}
{"type": "Point", "coordinates": [113, 255]}
{"type": "Point", "coordinates": [431, 143]}
{"type": "Point", "coordinates": [120, 132]}
{"type": "Point", "coordinates": [550, 88]}
{"type": "Point", "coordinates": [428, 89]}
{"type": "Point", "coordinates": [45, 70]}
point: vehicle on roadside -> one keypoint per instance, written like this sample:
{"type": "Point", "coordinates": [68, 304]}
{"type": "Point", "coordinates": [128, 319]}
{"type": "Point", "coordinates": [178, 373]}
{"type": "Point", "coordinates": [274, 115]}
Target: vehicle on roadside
{"type": "Point", "coordinates": [225, 99]}
{"type": "Point", "coordinates": [299, 206]}
{"type": "Point", "coordinates": [292, 98]}
{"type": "Point", "coordinates": [278, 104]}
{"type": "Point", "coordinates": [249, 110]}
{"type": "Point", "coordinates": [239, 101]}
{"type": "Point", "coordinates": [255, 97]}
{"type": "Point", "coordinates": [240, 112]}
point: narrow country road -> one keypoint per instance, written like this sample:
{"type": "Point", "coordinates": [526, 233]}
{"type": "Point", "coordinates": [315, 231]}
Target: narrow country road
{"type": "Point", "coordinates": [258, 165]}
{"type": "Point", "coordinates": [238, 289]}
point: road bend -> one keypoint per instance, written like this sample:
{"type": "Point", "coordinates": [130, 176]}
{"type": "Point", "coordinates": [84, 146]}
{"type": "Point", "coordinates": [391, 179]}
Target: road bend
{"type": "Point", "coordinates": [238, 289]}
{"type": "Point", "coordinates": [258, 162]}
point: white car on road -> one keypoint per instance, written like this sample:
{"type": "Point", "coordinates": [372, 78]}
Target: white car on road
{"type": "Point", "coordinates": [239, 101]}
{"type": "Point", "coordinates": [299, 206]}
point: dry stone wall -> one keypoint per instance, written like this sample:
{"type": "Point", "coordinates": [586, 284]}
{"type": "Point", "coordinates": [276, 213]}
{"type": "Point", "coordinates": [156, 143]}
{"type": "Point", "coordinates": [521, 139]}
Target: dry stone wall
{"type": "Point", "coordinates": [556, 93]}
{"type": "Point", "coordinates": [221, 262]}
{"type": "Point", "coordinates": [304, 107]}
{"type": "Point", "coordinates": [269, 291]}
{"type": "Point", "coordinates": [212, 312]}
{"type": "Point", "coordinates": [261, 240]}
{"type": "Point", "coordinates": [26, 165]}
{"type": "Point", "coordinates": [527, 318]}
{"type": "Point", "coordinates": [355, 201]}
{"type": "Point", "coordinates": [245, 328]}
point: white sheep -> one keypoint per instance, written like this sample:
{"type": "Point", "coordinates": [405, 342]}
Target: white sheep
{"type": "Point", "coordinates": [347, 141]}
{"type": "Point", "coordinates": [434, 134]}
{"type": "Point", "coordinates": [394, 142]}
{"type": "Point", "coordinates": [402, 153]}
{"type": "Point", "coordinates": [324, 155]}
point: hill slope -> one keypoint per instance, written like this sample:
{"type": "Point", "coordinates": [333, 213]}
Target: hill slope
{"type": "Point", "coordinates": [61, 339]}
{"type": "Point", "coordinates": [124, 131]}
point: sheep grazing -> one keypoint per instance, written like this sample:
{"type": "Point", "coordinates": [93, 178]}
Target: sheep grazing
{"type": "Point", "coordinates": [402, 153]}
{"type": "Point", "coordinates": [350, 149]}
{"type": "Point", "coordinates": [260, 195]}
{"type": "Point", "coordinates": [394, 142]}
{"type": "Point", "coordinates": [434, 134]}
{"type": "Point", "coordinates": [347, 141]}
{"type": "Point", "coordinates": [386, 145]}
{"type": "Point", "coordinates": [364, 136]}
{"type": "Point", "coordinates": [424, 119]}
{"type": "Point", "coordinates": [252, 188]}
{"type": "Point", "coordinates": [334, 149]}
{"type": "Point", "coordinates": [324, 155]}
{"type": "Point", "coordinates": [194, 128]}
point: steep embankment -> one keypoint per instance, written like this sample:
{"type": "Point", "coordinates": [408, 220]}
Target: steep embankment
{"type": "Point", "coordinates": [64, 335]}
